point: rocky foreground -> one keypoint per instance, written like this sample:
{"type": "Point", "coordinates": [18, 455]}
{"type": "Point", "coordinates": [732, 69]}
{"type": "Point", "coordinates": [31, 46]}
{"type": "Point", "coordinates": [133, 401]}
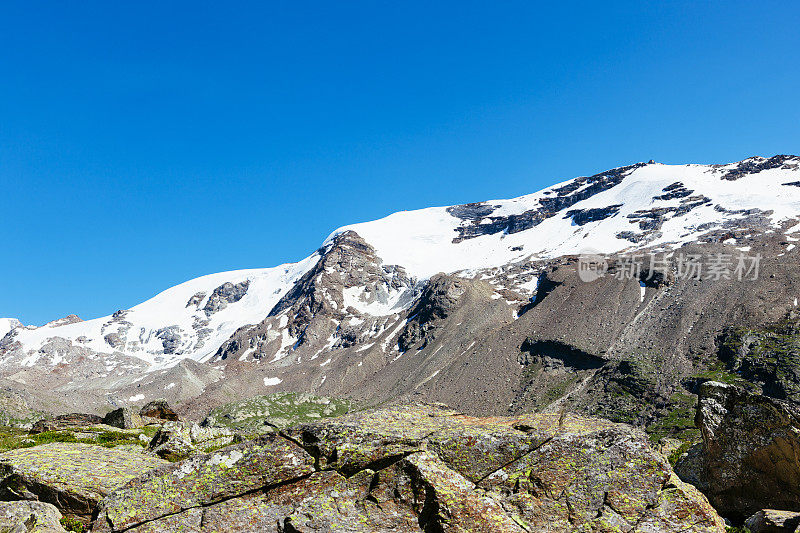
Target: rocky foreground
{"type": "Point", "coordinates": [405, 468]}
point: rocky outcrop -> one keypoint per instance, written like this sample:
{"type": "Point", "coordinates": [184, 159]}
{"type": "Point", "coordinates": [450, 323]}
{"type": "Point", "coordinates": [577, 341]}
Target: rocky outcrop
{"type": "Point", "coordinates": [584, 216]}
{"type": "Point", "coordinates": [750, 456]}
{"type": "Point", "coordinates": [773, 521]}
{"type": "Point", "coordinates": [158, 409]}
{"type": "Point", "coordinates": [73, 477]}
{"type": "Point", "coordinates": [413, 468]}
{"type": "Point", "coordinates": [62, 422]}
{"type": "Point", "coordinates": [755, 165]}
{"type": "Point", "coordinates": [123, 418]}
{"type": "Point", "coordinates": [225, 294]}
{"type": "Point", "coordinates": [437, 301]}
{"type": "Point", "coordinates": [177, 440]}
{"type": "Point", "coordinates": [29, 517]}
{"type": "Point", "coordinates": [69, 319]}
{"type": "Point", "coordinates": [326, 309]}
{"type": "Point", "coordinates": [478, 219]}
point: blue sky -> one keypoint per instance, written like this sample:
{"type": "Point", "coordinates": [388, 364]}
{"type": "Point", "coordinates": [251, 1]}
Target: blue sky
{"type": "Point", "coordinates": [145, 143]}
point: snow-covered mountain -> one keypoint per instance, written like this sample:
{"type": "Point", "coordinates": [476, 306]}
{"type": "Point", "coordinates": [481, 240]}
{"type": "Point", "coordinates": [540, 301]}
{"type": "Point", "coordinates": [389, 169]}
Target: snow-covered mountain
{"type": "Point", "coordinates": [7, 324]}
{"type": "Point", "coordinates": [368, 279]}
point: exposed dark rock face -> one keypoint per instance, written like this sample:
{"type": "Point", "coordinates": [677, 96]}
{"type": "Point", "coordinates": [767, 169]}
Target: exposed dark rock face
{"type": "Point", "coordinates": [114, 340]}
{"type": "Point", "coordinates": [676, 190]}
{"type": "Point", "coordinates": [170, 338]}
{"type": "Point", "coordinates": [554, 354]}
{"type": "Point", "coordinates": [653, 219]}
{"type": "Point", "coordinates": [566, 196]}
{"type": "Point", "coordinates": [633, 236]}
{"type": "Point", "coordinates": [438, 299]}
{"type": "Point", "coordinates": [69, 319]}
{"type": "Point", "coordinates": [317, 309]}
{"type": "Point", "coordinates": [586, 187]}
{"type": "Point", "coordinates": [584, 216]}
{"type": "Point", "coordinates": [223, 295]}
{"type": "Point", "coordinates": [750, 457]}
{"type": "Point", "coordinates": [474, 211]}
{"type": "Point", "coordinates": [755, 165]}
{"type": "Point", "coordinates": [420, 468]}
{"type": "Point", "coordinates": [159, 409]}
{"type": "Point", "coordinates": [196, 299]}
{"type": "Point", "coordinates": [123, 418]}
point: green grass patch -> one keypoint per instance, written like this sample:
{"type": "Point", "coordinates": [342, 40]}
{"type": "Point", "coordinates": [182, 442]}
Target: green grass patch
{"type": "Point", "coordinates": [678, 423]}
{"type": "Point", "coordinates": [72, 524]}
{"type": "Point", "coordinates": [674, 456]}
{"type": "Point", "coordinates": [14, 438]}
{"type": "Point", "coordinates": [282, 410]}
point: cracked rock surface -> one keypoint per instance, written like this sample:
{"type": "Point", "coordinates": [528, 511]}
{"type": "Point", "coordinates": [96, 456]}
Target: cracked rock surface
{"type": "Point", "coordinates": [73, 477]}
{"type": "Point", "coordinates": [750, 455]}
{"type": "Point", "coordinates": [29, 517]}
{"type": "Point", "coordinates": [419, 468]}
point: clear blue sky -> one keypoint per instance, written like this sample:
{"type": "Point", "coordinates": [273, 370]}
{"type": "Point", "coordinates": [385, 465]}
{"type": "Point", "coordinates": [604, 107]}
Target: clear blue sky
{"type": "Point", "coordinates": [146, 143]}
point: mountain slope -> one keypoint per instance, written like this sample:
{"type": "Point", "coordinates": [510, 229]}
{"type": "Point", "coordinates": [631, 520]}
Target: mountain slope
{"type": "Point", "coordinates": [369, 316]}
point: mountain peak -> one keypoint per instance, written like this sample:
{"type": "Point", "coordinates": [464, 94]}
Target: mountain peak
{"type": "Point", "coordinates": [357, 290]}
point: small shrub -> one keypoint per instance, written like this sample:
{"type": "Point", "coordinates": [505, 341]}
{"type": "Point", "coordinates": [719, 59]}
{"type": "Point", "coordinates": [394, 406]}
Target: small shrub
{"type": "Point", "coordinates": [674, 456]}
{"type": "Point", "coordinates": [71, 523]}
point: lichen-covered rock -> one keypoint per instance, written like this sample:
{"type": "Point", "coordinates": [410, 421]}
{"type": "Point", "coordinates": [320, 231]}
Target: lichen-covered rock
{"type": "Point", "coordinates": [750, 458]}
{"type": "Point", "coordinates": [773, 521]}
{"type": "Point", "coordinates": [62, 422]}
{"type": "Point", "coordinates": [29, 517]}
{"type": "Point", "coordinates": [73, 477]}
{"type": "Point", "coordinates": [420, 467]}
{"type": "Point", "coordinates": [159, 409]}
{"type": "Point", "coordinates": [177, 440]}
{"type": "Point", "coordinates": [265, 463]}
{"type": "Point", "coordinates": [124, 418]}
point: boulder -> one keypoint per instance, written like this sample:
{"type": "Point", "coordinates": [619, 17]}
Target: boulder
{"type": "Point", "coordinates": [124, 418]}
{"type": "Point", "coordinates": [750, 455]}
{"type": "Point", "coordinates": [29, 517]}
{"type": "Point", "coordinates": [773, 521]}
{"type": "Point", "coordinates": [420, 467]}
{"type": "Point", "coordinates": [73, 477]}
{"type": "Point", "coordinates": [171, 497]}
{"type": "Point", "coordinates": [62, 422]}
{"type": "Point", "coordinates": [159, 409]}
{"type": "Point", "coordinates": [177, 440]}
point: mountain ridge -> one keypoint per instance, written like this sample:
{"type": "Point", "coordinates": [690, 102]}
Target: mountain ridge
{"type": "Point", "coordinates": [357, 309]}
